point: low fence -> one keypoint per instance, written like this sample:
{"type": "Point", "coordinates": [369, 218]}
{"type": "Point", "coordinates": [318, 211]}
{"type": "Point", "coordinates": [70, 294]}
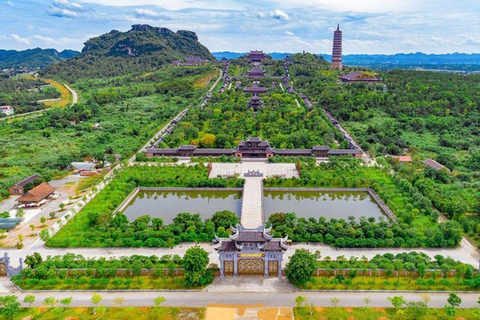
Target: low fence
{"type": "Point", "coordinates": [127, 272]}
{"type": "Point", "coordinates": [382, 205]}
{"type": "Point", "coordinates": [325, 272]}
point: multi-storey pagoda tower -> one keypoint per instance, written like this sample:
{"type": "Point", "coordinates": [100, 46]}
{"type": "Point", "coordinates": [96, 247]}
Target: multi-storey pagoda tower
{"type": "Point", "coordinates": [337, 49]}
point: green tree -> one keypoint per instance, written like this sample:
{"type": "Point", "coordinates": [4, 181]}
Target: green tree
{"type": "Point", "coordinates": [208, 140]}
{"type": "Point", "coordinates": [29, 299]}
{"type": "Point", "coordinates": [300, 300]}
{"type": "Point", "coordinates": [397, 301]}
{"type": "Point", "coordinates": [50, 302]}
{"type": "Point", "coordinates": [34, 260]}
{"type": "Point", "coordinates": [20, 213]}
{"type": "Point", "coordinates": [454, 300]}
{"type": "Point", "coordinates": [9, 306]}
{"type": "Point", "coordinates": [42, 220]}
{"type": "Point", "coordinates": [195, 262]}
{"type": "Point", "coordinates": [334, 302]}
{"type": "Point", "coordinates": [158, 301]}
{"type": "Point", "coordinates": [301, 266]}
{"type": "Point", "coordinates": [66, 301]}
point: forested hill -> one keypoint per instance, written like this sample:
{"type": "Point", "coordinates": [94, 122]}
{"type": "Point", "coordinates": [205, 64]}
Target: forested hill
{"type": "Point", "coordinates": [142, 48]}
{"type": "Point", "coordinates": [32, 58]}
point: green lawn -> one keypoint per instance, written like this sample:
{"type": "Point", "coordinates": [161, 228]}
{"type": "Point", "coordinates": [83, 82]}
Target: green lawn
{"type": "Point", "coordinates": [117, 283]}
{"type": "Point", "coordinates": [378, 313]}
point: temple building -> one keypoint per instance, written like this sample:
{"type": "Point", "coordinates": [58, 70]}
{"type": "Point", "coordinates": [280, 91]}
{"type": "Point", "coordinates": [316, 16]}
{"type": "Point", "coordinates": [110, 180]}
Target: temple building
{"type": "Point", "coordinates": [256, 89]}
{"type": "Point", "coordinates": [255, 103]}
{"type": "Point", "coordinates": [337, 49]}
{"type": "Point", "coordinates": [253, 147]}
{"type": "Point", "coordinates": [250, 252]}
{"type": "Point", "coordinates": [359, 77]}
{"type": "Point", "coordinates": [256, 72]}
{"type": "Point", "coordinates": [256, 56]}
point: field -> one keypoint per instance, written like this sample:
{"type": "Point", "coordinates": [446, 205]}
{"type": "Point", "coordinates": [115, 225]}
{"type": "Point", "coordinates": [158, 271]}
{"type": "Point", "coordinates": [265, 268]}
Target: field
{"type": "Point", "coordinates": [379, 313]}
{"type": "Point", "coordinates": [126, 313]}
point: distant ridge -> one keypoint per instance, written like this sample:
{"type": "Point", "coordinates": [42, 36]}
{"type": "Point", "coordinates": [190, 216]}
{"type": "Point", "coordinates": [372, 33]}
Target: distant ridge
{"type": "Point", "coordinates": [140, 49]}
{"type": "Point", "coordinates": [32, 58]}
{"type": "Point", "coordinates": [378, 60]}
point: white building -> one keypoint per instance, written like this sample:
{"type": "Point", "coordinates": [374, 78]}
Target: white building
{"type": "Point", "coordinates": [6, 110]}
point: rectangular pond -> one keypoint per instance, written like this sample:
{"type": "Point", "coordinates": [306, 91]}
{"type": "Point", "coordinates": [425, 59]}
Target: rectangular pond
{"type": "Point", "coordinates": [168, 204]}
{"type": "Point", "coordinates": [315, 204]}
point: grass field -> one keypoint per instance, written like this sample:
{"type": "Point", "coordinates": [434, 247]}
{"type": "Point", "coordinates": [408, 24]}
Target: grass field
{"type": "Point", "coordinates": [390, 283]}
{"type": "Point", "coordinates": [379, 314]}
{"type": "Point", "coordinates": [117, 283]}
{"type": "Point", "coordinates": [127, 313]}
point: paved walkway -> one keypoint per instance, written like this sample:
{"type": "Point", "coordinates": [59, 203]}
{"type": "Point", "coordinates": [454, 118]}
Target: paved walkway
{"type": "Point", "coordinates": [250, 284]}
{"type": "Point", "coordinates": [252, 213]}
{"type": "Point", "coordinates": [250, 299]}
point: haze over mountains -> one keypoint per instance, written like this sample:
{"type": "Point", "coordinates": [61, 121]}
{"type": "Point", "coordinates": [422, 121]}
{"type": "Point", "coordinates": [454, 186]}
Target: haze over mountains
{"type": "Point", "coordinates": [399, 60]}
{"type": "Point", "coordinates": [145, 47]}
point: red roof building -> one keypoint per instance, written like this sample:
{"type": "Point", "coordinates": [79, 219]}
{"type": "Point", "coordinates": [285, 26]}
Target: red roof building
{"type": "Point", "coordinates": [37, 194]}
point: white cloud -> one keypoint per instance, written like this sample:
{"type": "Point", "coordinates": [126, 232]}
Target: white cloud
{"type": "Point", "coordinates": [279, 15]}
{"type": "Point", "coordinates": [20, 39]}
{"type": "Point", "coordinates": [50, 41]}
{"type": "Point", "coordinates": [146, 13]}
{"type": "Point", "coordinates": [62, 13]}
{"type": "Point", "coordinates": [8, 3]}
{"type": "Point", "coordinates": [172, 4]}
{"type": "Point", "coordinates": [261, 15]}
{"type": "Point", "coordinates": [288, 33]}
{"type": "Point", "coordinates": [66, 4]}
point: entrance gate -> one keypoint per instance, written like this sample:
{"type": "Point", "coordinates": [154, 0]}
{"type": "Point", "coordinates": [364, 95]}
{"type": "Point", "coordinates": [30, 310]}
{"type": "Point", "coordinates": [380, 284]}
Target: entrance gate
{"type": "Point", "coordinates": [3, 269]}
{"type": "Point", "coordinates": [251, 267]}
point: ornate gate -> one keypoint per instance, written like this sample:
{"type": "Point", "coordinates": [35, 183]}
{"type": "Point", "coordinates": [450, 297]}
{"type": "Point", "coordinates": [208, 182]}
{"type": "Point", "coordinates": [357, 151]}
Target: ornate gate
{"type": "Point", "coordinates": [228, 268]}
{"type": "Point", "coordinates": [251, 266]}
{"type": "Point", "coordinates": [272, 268]}
{"type": "Point", "coordinates": [3, 269]}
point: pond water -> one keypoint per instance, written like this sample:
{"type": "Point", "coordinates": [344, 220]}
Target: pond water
{"type": "Point", "coordinates": [168, 204]}
{"type": "Point", "coordinates": [315, 204]}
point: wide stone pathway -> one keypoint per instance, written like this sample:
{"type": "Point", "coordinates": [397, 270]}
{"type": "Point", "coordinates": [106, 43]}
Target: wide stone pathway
{"type": "Point", "coordinates": [249, 284]}
{"type": "Point", "coordinates": [252, 213]}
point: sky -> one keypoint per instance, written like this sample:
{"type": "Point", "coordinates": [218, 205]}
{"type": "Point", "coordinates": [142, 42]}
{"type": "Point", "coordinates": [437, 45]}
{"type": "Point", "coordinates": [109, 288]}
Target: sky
{"type": "Point", "coordinates": [369, 26]}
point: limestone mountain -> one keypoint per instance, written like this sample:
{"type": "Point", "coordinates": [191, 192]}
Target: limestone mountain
{"type": "Point", "coordinates": [32, 58]}
{"type": "Point", "coordinates": [140, 49]}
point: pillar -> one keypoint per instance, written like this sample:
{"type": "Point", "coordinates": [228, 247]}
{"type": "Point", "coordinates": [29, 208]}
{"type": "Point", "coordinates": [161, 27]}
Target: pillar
{"type": "Point", "coordinates": [235, 267]}
{"type": "Point", "coordinates": [221, 267]}
{"type": "Point", "coordinates": [266, 265]}
{"type": "Point", "coordinates": [280, 265]}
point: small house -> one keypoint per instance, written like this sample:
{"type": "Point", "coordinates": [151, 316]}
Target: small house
{"type": "Point", "coordinates": [36, 195]}
{"type": "Point", "coordinates": [435, 165]}
{"type": "Point", "coordinates": [19, 188]}
{"type": "Point", "coordinates": [7, 110]}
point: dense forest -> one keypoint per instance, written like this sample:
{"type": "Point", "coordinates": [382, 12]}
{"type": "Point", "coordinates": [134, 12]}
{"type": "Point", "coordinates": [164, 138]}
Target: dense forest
{"type": "Point", "coordinates": [227, 120]}
{"type": "Point", "coordinates": [118, 116]}
{"type": "Point", "coordinates": [422, 114]}
{"type": "Point", "coordinates": [141, 49]}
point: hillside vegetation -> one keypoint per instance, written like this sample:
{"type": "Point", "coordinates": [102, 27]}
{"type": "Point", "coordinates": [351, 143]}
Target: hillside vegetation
{"type": "Point", "coordinates": [32, 58]}
{"type": "Point", "coordinates": [138, 50]}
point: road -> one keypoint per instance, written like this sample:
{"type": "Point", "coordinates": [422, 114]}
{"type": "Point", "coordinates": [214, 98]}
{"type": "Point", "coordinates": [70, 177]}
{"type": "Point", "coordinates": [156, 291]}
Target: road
{"type": "Point", "coordinates": [39, 112]}
{"type": "Point", "coordinates": [203, 299]}
{"type": "Point", "coordinates": [74, 94]}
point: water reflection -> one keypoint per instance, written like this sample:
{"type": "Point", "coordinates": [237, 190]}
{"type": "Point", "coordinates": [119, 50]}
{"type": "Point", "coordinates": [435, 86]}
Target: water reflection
{"type": "Point", "coordinates": [315, 204]}
{"type": "Point", "coordinates": [167, 204]}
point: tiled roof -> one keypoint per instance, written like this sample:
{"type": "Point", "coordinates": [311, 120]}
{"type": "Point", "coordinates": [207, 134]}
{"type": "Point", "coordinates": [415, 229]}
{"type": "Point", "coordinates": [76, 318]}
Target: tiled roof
{"type": "Point", "coordinates": [38, 193]}
{"type": "Point", "coordinates": [30, 179]}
